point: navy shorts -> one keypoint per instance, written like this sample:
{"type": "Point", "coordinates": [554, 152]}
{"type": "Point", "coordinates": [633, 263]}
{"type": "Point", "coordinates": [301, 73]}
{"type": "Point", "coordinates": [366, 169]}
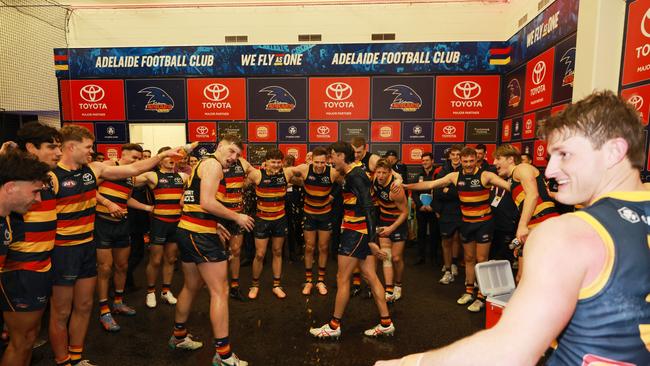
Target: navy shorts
{"type": "Point", "coordinates": [479, 232]}
{"type": "Point", "coordinates": [354, 244]}
{"type": "Point", "coordinates": [319, 222]}
{"type": "Point", "coordinates": [111, 234]}
{"type": "Point", "coordinates": [74, 262]}
{"type": "Point", "coordinates": [400, 234]}
{"type": "Point", "coordinates": [25, 290]}
{"type": "Point", "coordinates": [162, 232]}
{"type": "Point", "coordinates": [265, 229]}
{"type": "Point", "coordinates": [200, 248]}
{"type": "Point", "coordinates": [232, 227]}
{"type": "Point", "coordinates": [449, 227]}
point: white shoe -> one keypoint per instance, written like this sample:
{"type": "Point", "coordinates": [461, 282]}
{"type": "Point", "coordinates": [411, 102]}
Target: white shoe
{"type": "Point", "coordinates": [150, 300]}
{"type": "Point", "coordinates": [389, 297]}
{"type": "Point", "coordinates": [465, 299]}
{"type": "Point", "coordinates": [186, 343]}
{"type": "Point", "coordinates": [168, 298]}
{"type": "Point", "coordinates": [397, 292]}
{"type": "Point", "coordinates": [379, 331]}
{"type": "Point", "coordinates": [86, 363]}
{"type": "Point", "coordinates": [454, 270]}
{"type": "Point", "coordinates": [476, 306]}
{"type": "Point", "coordinates": [447, 278]}
{"type": "Point", "coordinates": [230, 361]}
{"type": "Point", "coordinates": [443, 269]}
{"type": "Point", "coordinates": [325, 332]}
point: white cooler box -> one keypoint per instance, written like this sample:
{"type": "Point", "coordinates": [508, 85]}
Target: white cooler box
{"type": "Point", "coordinates": [497, 283]}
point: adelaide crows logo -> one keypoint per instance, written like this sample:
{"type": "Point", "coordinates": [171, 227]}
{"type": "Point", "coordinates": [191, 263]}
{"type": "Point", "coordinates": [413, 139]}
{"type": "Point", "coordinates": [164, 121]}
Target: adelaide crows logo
{"type": "Point", "coordinates": [280, 99]}
{"type": "Point", "coordinates": [159, 101]}
{"type": "Point", "coordinates": [569, 60]}
{"type": "Point", "coordinates": [514, 93]}
{"type": "Point", "coordinates": [406, 98]}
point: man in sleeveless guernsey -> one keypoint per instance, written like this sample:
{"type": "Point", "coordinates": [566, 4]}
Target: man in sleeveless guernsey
{"type": "Point", "coordinates": [358, 245]}
{"type": "Point", "coordinates": [591, 266]}
{"type": "Point", "coordinates": [203, 251]}
{"type": "Point", "coordinates": [477, 226]}
{"type": "Point", "coordinates": [112, 237]}
{"type": "Point", "coordinates": [24, 292]}
{"type": "Point", "coordinates": [393, 212]}
{"type": "Point", "coordinates": [167, 187]}
{"type": "Point", "coordinates": [529, 192]}
{"type": "Point", "coordinates": [74, 258]}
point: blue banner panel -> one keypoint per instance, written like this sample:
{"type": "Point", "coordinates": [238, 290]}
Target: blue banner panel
{"type": "Point", "coordinates": [517, 127]}
{"type": "Point", "coordinates": [232, 128]}
{"type": "Point", "coordinates": [513, 92]}
{"type": "Point", "coordinates": [292, 132]}
{"type": "Point", "coordinates": [204, 148]}
{"type": "Point", "coordinates": [564, 66]}
{"type": "Point", "coordinates": [402, 98]}
{"type": "Point", "coordinates": [481, 131]}
{"type": "Point", "coordinates": [417, 131]}
{"type": "Point", "coordinates": [381, 149]}
{"type": "Point", "coordinates": [353, 129]}
{"type": "Point", "coordinates": [110, 132]}
{"type": "Point", "coordinates": [277, 98]}
{"type": "Point", "coordinates": [439, 151]}
{"type": "Point", "coordinates": [155, 99]}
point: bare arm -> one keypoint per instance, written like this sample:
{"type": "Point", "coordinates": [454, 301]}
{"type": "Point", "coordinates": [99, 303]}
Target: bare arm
{"type": "Point", "coordinates": [148, 179]}
{"type": "Point", "coordinates": [112, 207]}
{"type": "Point", "coordinates": [526, 175]}
{"type": "Point", "coordinates": [448, 179]}
{"type": "Point", "coordinates": [493, 179]}
{"type": "Point", "coordinates": [131, 170]}
{"type": "Point", "coordinates": [133, 203]}
{"type": "Point", "coordinates": [252, 174]}
{"type": "Point", "coordinates": [372, 162]}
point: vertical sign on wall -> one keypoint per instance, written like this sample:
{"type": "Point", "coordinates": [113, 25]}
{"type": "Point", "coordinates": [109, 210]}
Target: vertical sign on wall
{"type": "Point", "coordinates": [539, 81]}
{"type": "Point", "coordinates": [155, 99]}
{"type": "Point", "coordinates": [514, 92]}
{"type": "Point", "coordinates": [216, 99]}
{"type": "Point", "coordinates": [636, 59]}
{"type": "Point", "coordinates": [339, 98]}
{"type": "Point", "coordinates": [467, 97]}
{"type": "Point", "coordinates": [639, 98]}
{"type": "Point", "coordinates": [565, 61]}
{"type": "Point", "coordinates": [92, 100]}
{"type": "Point", "coordinates": [402, 98]}
{"type": "Point", "coordinates": [277, 98]}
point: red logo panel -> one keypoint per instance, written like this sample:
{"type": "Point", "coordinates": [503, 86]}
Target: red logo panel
{"type": "Point", "coordinates": [539, 81]}
{"type": "Point", "coordinates": [216, 99]}
{"type": "Point", "coordinates": [558, 108]}
{"type": "Point", "coordinates": [262, 132]}
{"type": "Point", "coordinates": [87, 125]}
{"type": "Point", "coordinates": [323, 131]}
{"type": "Point", "coordinates": [339, 98]}
{"type": "Point", "coordinates": [299, 151]}
{"type": "Point", "coordinates": [467, 97]}
{"type": "Point", "coordinates": [539, 158]}
{"type": "Point", "coordinates": [385, 131]}
{"type": "Point", "coordinates": [506, 130]}
{"type": "Point", "coordinates": [92, 100]}
{"type": "Point", "coordinates": [202, 131]}
{"type": "Point", "coordinates": [110, 151]}
{"type": "Point", "coordinates": [636, 60]}
{"type": "Point", "coordinates": [451, 131]}
{"type": "Point", "coordinates": [639, 98]}
{"type": "Point", "coordinates": [412, 153]}
{"type": "Point", "coordinates": [528, 128]}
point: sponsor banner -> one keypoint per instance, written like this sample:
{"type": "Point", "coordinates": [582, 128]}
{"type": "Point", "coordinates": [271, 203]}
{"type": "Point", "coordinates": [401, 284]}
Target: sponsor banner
{"type": "Point", "coordinates": [539, 81]}
{"type": "Point", "coordinates": [87, 125]}
{"type": "Point", "coordinates": [467, 97]}
{"type": "Point", "coordinates": [207, 148]}
{"type": "Point", "coordinates": [489, 151]}
{"type": "Point", "coordinates": [636, 57]}
{"type": "Point", "coordinates": [481, 131]}
{"type": "Point", "coordinates": [540, 118]}
{"type": "Point", "coordinates": [110, 132]}
{"type": "Point", "coordinates": [354, 129]}
{"type": "Point", "coordinates": [277, 98]}
{"type": "Point", "coordinates": [527, 147]}
{"type": "Point", "coordinates": [339, 98]}
{"type": "Point", "coordinates": [402, 98]}
{"type": "Point", "coordinates": [292, 131]}
{"type": "Point", "coordinates": [539, 159]}
{"type": "Point", "coordinates": [299, 151]}
{"type": "Point", "coordinates": [558, 108]}
{"type": "Point", "coordinates": [302, 59]}
{"type": "Point", "coordinates": [506, 130]}
{"type": "Point", "coordinates": [417, 131]}
{"type": "Point", "coordinates": [513, 100]}
{"type": "Point", "coordinates": [381, 149]}
{"type": "Point", "coordinates": [216, 99]}
{"type": "Point", "coordinates": [323, 132]}
{"type": "Point", "coordinates": [450, 131]}
{"type": "Point", "coordinates": [529, 127]}
{"type": "Point", "coordinates": [110, 151]}
{"type": "Point", "coordinates": [262, 132]}
{"type": "Point", "coordinates": [412, 153]}
{"type": "Point", "coordinates": [155, 99]}
{"type": "Point", "coordinates": [517, 145]}
{"type": "Point", "coordinates": [517, 127]}
{"type": "Point", "coordinates": [439, 153]}
{"type": "Point", "coordinates": [257, 153]}
{"type": "Point", "coordinates": [92, 100]}
{"type": "Point", "coordinates": [232, 128]}
{"type": "Point", "coordinates": [639, 98]}
{"type": "Point", "coordinates": [385, 131]}
{"type": "Point", "coordinates": [202, 131]}
{"type": "Point", "coordinates": [565, 62]}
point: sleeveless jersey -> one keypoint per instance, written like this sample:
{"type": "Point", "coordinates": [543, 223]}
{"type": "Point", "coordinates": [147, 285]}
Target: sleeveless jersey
{"type": "Point", "coordinates": [544, 207]}
{"type": "Point", "coordinates": [231, 187]}
{"type": "Point", "coordinates": [167, 197]}
{"type": "Point", "coordinates": [75, 205]}
{"type": "Point", "coordinates": [353, 216]}
{"type": "Point", "coordinates": [318, 188]}
{"type": "Point", "coordinates": [611, 322]}
{"type": "Point", "coordinates": [194, 218]}
{"type": "Point", "coordinates": [118, 192]}
{"type": "Point", "coordinates": [6, 238]}
{"type": "Point", "coordinates": [474, 197]}
{"type": "Point", "coordinates": [271, 193]}
{"type": "Point", "coordinates": [388, 210]}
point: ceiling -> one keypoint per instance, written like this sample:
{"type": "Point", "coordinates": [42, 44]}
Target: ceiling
{"type": "Point", "coordinates": [244, 3]}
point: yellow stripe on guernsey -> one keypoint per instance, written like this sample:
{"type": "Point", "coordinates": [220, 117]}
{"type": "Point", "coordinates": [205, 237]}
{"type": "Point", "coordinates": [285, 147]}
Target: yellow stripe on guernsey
{"type": "Point", "coordinates": [167, 197]}
{"type": "Point", "coordinates": [271, 192]}
{"type": "Point", "coordinates": [318, 188]}
{"type": "Point", "coordinates": [194, 218]}
{"type": "Point", "coordinates": [117, 192]}
{"type": "Point", "coordinates": [75, 205]}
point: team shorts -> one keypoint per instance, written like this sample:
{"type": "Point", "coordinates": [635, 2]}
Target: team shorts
{"type": "Point", "coordinates": [354, 244]}
{"type": "Point", "coordinates": [479, 232]}
{"type": "Point", "coordinates": [74, 262]}
{"type": "Point", "coordinates": [25, 290]}
{"type": "Point", "coordinates": [323, 222]}
{"type": "Point", "coordinates": [200, 248]}
{"type": "Point", "coordinates": [400, 234]}
{"type": "Point", "coordinates": [449, 227]}
{"type": "Point", "coordinates": [162, 232]}
{"type": "Point", "coordinates": [232, 227]}
{"type": "Point", "coordinates": [111, 234]}
{"type": "Point", "coordinates": [265, 229]}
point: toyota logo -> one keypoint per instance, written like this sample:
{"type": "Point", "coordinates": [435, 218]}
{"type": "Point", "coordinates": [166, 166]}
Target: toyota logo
{"type": "Point", "coordinates": [636, 101]}
{"type": "Point", "coordinates": [202, 130]}
{"type": "Point", "coordinates": [216, 92]}
{"type": "Point", "coordinates": [539, 71]}
{"type": "Point", "coordinates": [323, 130]}
{"type": "Point", "coordinates": [540, 150]}
{"type": "Point", "coordinates": [529, 124]}
{"type": "Point", "coordinates": [91, 93]}
{"type": "Point", "coordinates": [449, 130]}
{"type": "Point", "coordinates": [338, 91]}
{"type": "Point", "coordinates": [646, 16]}
{"type": "Point", "coordinates": [467, 90]}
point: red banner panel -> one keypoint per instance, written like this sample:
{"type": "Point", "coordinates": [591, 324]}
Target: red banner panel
{"type": "Point", "coordinates": [558, 108]}
{"type": "Point", "coordinates": [216, 99]}
{"type": "Point", "coordinates": [299, 151]}
{"type": "Point", "coordinates": [449, 131]}
{"type": "Point", "coordinates": [539, 157]}
{"type": "Point", "coordinates": [639, 98]}
{"type": "Point", "coordinates": [539, 81]}
{"type": "Point", "coordinates": [506, 130]}
{"type": "Point", "coordinates": [412, 153]}
{"type": "Point", "coordinates": [339, 98]}
{"type": "Point", "coordinates": [636, 59]}
{"type": "Point", "coordinates": [528, 131]}
{"type": "Point", "coordinates": [202, 131]}
{"type": "Point", "coordinates": [110, 151]}
{"type": "Point", "coordinates": [385, 131]}
{"type": "Point", "coordinates": [467, 97]}
{"type": "Point", "coordinates": [323, 132]}
{"type": "Point", "coordinates": [262, 132]}
{"type": "Point", "coordinates": [92, 100]}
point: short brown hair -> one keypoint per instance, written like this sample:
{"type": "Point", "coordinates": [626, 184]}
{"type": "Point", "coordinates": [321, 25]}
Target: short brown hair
{"type": "Point", "coordinates": [163, 149]}
{"type": "Point", "coordinates": [468, 151]}
{"type": "Point", "coordinates": [600, 117]}
{"type": "Point", "coordinates": [75, 133]}
{"type": "Point", "coordinates": [319, 151]}
{"type": "Point", "coordinates": [358, 141]}
{"type": "Point", "coordinates": [507, 150]}
{"type": "Point", "coordinates": [233, 139]}
{"type": "Point", "coordinates": [273, 154]}
{"type": "Point", "coordinates": [383, 163]}
{"type": "Point", "coordinates": [456, 147]}
{"type": "Point", "coordinates": [132, 147]}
